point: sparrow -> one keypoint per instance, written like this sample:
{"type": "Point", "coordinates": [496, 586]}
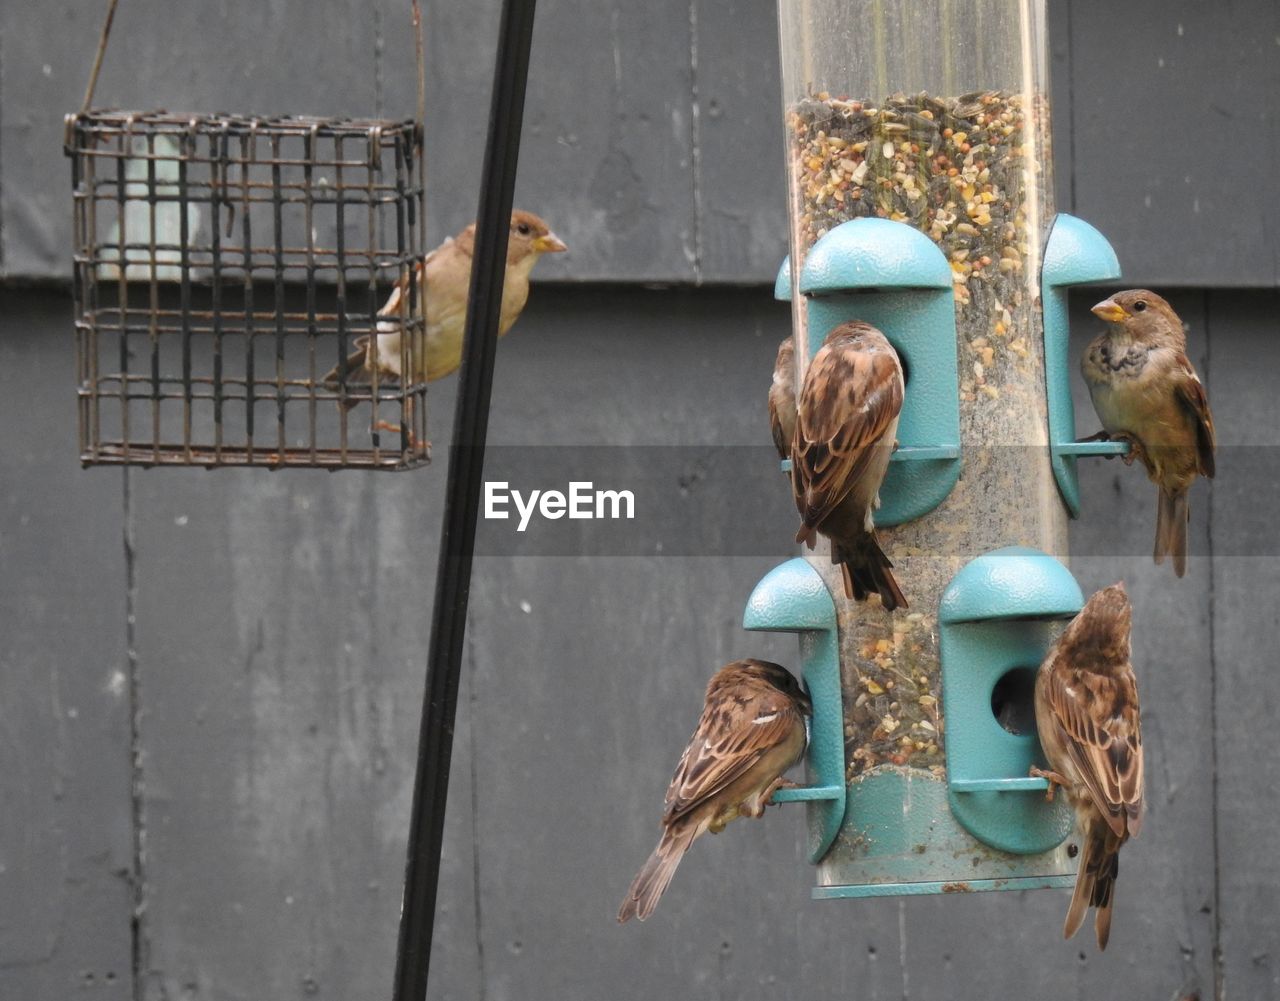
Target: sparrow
{"type": "Point", "coordinates": [1088, 719]}
{"type": "Point", "coordinates": [782, 398]}
{"type": "Point", "coordinates": [753, 728]}
{"type": "Point", "coordinates": [444, 278]}
{"type": "Point", "coordinates": [845, 431]}
{"type": "Point", "coordinates": [1147, 393]}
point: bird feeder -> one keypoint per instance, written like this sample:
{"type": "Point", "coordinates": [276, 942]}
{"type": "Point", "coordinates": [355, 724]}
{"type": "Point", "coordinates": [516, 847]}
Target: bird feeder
{"type": "Point", "coordinates": [921, 201]}
{"type": "Point", "coordinates": [222, 264]}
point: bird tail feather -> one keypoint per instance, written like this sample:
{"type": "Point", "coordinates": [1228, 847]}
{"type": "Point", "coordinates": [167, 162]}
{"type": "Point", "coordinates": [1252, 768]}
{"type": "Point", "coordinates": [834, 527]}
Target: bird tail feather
{"type": "Point", "coordinates": [1172, 516]}
{"type": "Point", "coordinates": [866, 570]}
{"type": "Point", "coordinates": [1095, 884]}
{"type": "Point", "coordinates": [352, 369]}
{"type": "Point", "coordinates": [654, 877]}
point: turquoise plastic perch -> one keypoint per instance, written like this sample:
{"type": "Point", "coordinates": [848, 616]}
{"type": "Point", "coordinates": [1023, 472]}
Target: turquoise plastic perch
{"type": "Point", "coordinates": [793, 599]}
{"type": "Point", "coordinates": [996, 622]}
{"type": "Point", "coordinates": [896, 278]}
{"type": "Point", "coordinates": [1075, 254]}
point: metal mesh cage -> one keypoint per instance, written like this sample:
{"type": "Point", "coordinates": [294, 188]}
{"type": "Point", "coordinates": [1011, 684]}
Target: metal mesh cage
{"type": "Point", "coordinates": [224, 265]}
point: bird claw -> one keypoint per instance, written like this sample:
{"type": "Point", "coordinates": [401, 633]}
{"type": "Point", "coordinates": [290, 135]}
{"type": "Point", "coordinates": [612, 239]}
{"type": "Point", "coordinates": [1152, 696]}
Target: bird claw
{"type": "Point", "coordinates": [1053, 778]}
{"type": "Point", "coordinates": [767, 798]}
{"type": "Point", "coordinates": [410, 438]}
{"type": "Point", "coordinates": [1135, 447]}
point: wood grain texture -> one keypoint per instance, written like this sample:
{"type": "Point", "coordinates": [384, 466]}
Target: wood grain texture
{"type": "Point", "coordinates": [66, 839]}
{"type": "Point", "coordinates": [1153, 85]}
{"type": "Point", "coordinates": [280, 628]}
{"type": "Point", "coordinates": [1245, 353]}
{"type": "Point", "coordinates": [651, 139]}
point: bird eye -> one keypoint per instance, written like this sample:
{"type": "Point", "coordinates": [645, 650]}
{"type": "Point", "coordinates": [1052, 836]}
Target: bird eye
{"type": "Point", "coordinates": [523, 230]}
{"type": "Point", "coordinates": [1140, 305]}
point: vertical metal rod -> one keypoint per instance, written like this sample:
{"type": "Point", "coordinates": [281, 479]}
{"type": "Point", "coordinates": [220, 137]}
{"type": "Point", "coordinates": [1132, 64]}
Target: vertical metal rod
{"type": "Point", "coordinates": [187, 152]}
{"type": "Point", "coordinates": [310, 143]}
{"type": "Point", "coordinates": [277, 211]}
{"type": "Point", "coordinates": [341, 279]}
{"type": "Point", "coordinates": [125, 148]}
{"type": "Point", "coordinates": [217, 191]}
{"type": "Point", "coordinates": [371, 171]}
{"type": "Point", "coordinates": [248, 152]}
{"type": "Point", "coordinates": [408, 278]}
{"type": "Point", "coordinates": [462, 501]}
{"type": "Point", "coordinates": [153, 285]}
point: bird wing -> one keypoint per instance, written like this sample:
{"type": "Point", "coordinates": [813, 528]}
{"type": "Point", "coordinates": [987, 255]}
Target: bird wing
{"type": "Point", "coordinates": [850, 399]}
{"type": "Point", "coordinates": [1099, 726]}
{"type": "Point", "coordinates": [734, 733]}
{"type": "Point", "coordinates": [423, 267]}
{"type": "Point", "coordinates": [1192, 396]}
{"type": "Point", "coordinates": [777, 429]}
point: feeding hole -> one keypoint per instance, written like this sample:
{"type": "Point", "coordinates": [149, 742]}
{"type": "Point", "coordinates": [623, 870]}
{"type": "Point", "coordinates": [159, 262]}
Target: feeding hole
{"type": "Point", "coordinates": [906, 367]}
{"type": "Point", "coordinates": [1013, 701]}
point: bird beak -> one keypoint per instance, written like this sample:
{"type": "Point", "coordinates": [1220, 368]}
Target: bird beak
{"type": "Point", "coordinates": [1111, 311]}
{"type": "Point", "coordinates": [549, 244]}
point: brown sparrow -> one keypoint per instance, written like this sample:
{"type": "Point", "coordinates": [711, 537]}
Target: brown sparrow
{"type": "Point", "coordinates": [845, 428]}
{"type": "Point", "coordinates": [444, 281]}
{"type": "Point", "coordinates": [752, 730]}
{"type": "Point", "coordinates": [782, 398]}
{"type": "Point", "coordinates": [1089, 724]}
{"type": "Point", "coordinates": [1147, 393]}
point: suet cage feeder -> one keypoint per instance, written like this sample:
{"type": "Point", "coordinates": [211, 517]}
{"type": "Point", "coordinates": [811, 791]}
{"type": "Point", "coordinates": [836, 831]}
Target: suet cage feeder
{"type": "Point", "coordinates": [921, 201]}
{"type": "Point", "coordinates": [223, 263]}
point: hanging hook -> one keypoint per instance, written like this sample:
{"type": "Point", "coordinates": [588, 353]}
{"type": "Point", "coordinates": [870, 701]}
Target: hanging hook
{"type": "Point", "coordinates": [97, 59]}
{"type": "Point", "coordinates": [422, 73]}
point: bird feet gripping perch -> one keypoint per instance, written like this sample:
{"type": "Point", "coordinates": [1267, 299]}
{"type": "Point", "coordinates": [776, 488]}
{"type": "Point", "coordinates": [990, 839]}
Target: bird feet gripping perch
{"type": "Point", "coordinates": [767, 798]}
{"type": "Point", "coordinates": [1053, 778]}
{"type": "Point", "coordinates": [410, 438]}
{"type": "Point", "coordinates": [1135, 446]}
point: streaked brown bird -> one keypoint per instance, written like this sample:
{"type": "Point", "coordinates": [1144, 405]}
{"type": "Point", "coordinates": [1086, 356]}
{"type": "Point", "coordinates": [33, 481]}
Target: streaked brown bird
{"type": "Point", "coordinates": [1147, 393]}
{"type": "Point", "coordinates": [444, 280]}
{"type": "Point", "coordinates": [751, 731]}
{"type": "Point", "coordinates": [845, 432]}
{"type": "Point", "coordinates": [1090, 728]}
{"type": "Point", "coordinates": [782, 398]}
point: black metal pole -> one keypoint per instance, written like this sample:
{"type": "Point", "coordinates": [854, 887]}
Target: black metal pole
{"type": "Point", "coordinates": [462, 502]}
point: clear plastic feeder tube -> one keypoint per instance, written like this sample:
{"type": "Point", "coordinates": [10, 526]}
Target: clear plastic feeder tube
{"type": "Point", "coordinates": [933, 113]}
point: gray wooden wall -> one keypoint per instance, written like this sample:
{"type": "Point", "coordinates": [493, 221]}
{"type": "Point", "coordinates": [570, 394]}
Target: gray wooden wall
{"type": "Point", "coordinates": [210, 682]}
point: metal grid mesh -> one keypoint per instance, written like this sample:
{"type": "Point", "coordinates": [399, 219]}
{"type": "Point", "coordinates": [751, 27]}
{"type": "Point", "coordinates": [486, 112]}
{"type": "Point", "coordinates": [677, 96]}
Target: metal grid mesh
{"type": "Point", "coordinates": [223, 265]}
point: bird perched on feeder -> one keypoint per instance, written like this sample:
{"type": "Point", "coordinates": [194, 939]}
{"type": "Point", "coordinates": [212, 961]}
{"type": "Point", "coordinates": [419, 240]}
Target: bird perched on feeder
{"type": "Point", "coordinates": [782, 398]}
{"type": "Point", "coordinates": [1147, 393]}
{"type": "Point", "coordinates": [1088, 719]}
{"type": "Point", "coordinates": [444, 279]}
{"type": "Point", "coordinates": [845, 431]}
{"type": "Point", "coordinates": [751, 731]}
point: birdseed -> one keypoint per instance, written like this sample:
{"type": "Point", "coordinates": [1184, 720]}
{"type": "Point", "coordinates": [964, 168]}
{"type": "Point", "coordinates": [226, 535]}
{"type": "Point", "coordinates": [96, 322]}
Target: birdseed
{"type": "Point", "coordinates": [971, 173]}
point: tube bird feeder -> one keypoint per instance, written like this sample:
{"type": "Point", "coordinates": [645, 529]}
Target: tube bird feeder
{"type": "Point", "coordinates": [921, 200]}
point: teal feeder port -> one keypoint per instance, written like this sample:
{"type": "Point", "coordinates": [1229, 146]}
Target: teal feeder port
{"type": "Point", "coordinates": [894, 277]}
{"type": "Point", "coordinates": [792, 598]}
{"type": "Point", "coordinates": [782, 284]}
{"type": "Point", "coordinates": [895, 831]}
{"type": "Point", "coordinates": [1076, 254]}
{"type": "Point", "coordinates": [997, 619]}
